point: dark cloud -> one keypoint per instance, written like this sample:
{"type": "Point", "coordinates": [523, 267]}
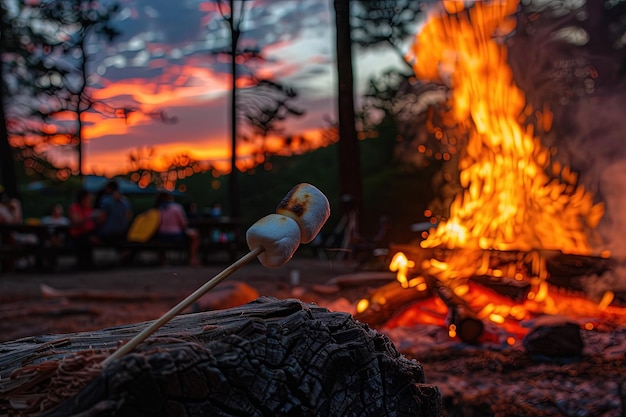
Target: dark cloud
{"type": "Point", "coordinates": [165, 32]}
{"type": "Point", "coordinates": [171, 22]}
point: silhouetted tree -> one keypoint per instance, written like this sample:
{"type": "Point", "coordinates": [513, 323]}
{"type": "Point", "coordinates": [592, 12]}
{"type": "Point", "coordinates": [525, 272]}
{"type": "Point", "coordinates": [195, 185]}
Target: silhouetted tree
{"type": "Point", "coordinates": [264, 106]}
{"type": "Point", "coordinates": [45, 75]}
{"type": "Point", "coordinates": [20, 48]}
{"type": "Point", "coordinates": [91, 21]}
{"type": "Point", "coordinates": [233, 12]}
{"type": "Point", "coordinates": [390, 23]}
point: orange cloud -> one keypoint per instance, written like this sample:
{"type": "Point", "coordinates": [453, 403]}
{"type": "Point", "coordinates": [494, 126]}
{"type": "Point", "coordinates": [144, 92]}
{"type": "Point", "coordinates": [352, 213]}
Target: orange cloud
{"type": "Point", "coordinates": [65, 116]}
{"type": "Point", "coordinates": [173, 87]}
{"type": "Point", "coordinates": [97, 125]}
{"type": "Point", "coordinates": [214, 150]}
{"type": "Point", "coordinates": [118, 162]}
{"type": "Point", "coordinates": [277, 70]}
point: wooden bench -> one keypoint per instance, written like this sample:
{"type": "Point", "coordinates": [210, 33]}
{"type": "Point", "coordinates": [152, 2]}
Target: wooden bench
{"type": "Point", "coordinates": [38, 248]}
{"type": "Point", "coordinates": [217, 236]}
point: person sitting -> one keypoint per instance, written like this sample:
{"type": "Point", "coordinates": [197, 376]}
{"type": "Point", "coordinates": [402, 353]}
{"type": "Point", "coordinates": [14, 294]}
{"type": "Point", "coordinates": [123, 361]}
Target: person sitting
{"type": "Point", "coordinates": [216, 210]}
{"type": "Point", "coordinates": [83, 227]}
{"type": "Point", "coordinates": [114, 214]}
{"type": "Point", "coordinates": [11, 213]}
{"type": "Point", "coordinates": [191, 210]}
{"type": "Point", "coordinates": [54, 219]}
{"type": "Point", "coordinates": [10, 209]}
{"type": "Point", "coordinates": [174, 225]}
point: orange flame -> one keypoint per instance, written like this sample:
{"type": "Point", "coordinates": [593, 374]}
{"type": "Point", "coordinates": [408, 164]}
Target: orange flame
{"type": "Point", "coordinates": [400, 263]}
{"type": "Point", "coordinates": [514, 198]}
{"type": "Point", "coordinates": [509, 201]}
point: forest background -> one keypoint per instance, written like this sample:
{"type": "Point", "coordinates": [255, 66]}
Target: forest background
{"type": "Point", "coordinates": [395, 165]}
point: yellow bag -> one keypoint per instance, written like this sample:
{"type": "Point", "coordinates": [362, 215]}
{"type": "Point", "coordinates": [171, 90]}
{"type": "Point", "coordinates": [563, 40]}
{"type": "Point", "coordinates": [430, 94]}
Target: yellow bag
{"type": "Point", "coordinates": [144, 226]}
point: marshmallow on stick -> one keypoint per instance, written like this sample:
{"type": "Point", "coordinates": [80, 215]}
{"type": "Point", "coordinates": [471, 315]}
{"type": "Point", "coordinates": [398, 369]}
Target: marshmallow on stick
{"type": "Point", "coordinates": [309, 207]}
{"type": "Point", "coordinates": [278, 235]}
{"type": "Point", "coordinates": [298, 219]}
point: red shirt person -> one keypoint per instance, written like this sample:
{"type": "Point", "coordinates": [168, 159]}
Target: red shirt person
{"type": "Point", "coordinates": [83, 227]}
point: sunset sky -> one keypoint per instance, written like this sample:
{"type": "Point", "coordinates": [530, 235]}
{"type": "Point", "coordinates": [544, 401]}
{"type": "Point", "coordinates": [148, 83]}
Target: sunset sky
{"type": "Point", "coordinates": [162, 62]}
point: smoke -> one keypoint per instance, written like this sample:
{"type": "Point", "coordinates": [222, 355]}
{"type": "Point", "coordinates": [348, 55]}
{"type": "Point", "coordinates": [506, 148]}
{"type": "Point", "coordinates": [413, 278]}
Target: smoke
{"type": "Point", "coordinates": [584, 90]}
{"type": "Point", "coordinates": [595, 145]}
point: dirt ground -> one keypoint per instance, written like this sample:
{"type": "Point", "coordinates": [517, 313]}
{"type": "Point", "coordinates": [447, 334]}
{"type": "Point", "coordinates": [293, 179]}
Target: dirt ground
{"type": "Point", "coordinates": [33, 303]}
{"type": "Point", "coordinates": [473, 380]}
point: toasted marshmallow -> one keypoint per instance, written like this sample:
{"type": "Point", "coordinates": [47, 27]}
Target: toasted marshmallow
{"type": "Point", "coordinates": [309, 207]}
{"type": "Point", "coordinates": [280, 237]}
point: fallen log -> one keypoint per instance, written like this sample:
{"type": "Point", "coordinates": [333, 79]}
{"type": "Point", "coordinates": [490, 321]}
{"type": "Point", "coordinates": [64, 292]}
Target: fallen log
{"type": "Point", "coordinates": [265, 358]}
{"type": "Point", "coordinates": [91, 294]}
{"type": "Point", "coordinates": [48, 311]}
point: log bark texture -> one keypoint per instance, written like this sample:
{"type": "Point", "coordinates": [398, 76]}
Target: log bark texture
{"type": "Point", "coordinates": [266, 358]}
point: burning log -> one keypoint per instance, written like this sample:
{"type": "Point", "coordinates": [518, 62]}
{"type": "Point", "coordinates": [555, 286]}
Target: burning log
{"type": "Point", "coordinates": [510, 288]}
{"type": "Point", "coordinates": [508, 272]}
{"type": "Point", "coordinates": [268, 357]}
{"type": "Point", "coordinates": [386, 301]}
{"type": "Point", "coordinates": [463, 321]}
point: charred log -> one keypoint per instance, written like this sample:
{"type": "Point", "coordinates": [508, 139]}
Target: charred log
{"type": "Point", "coordinates": [570, 271]}
{"type": "Point", "coordinates": [266, 358]}
{"type": "Point", "coordinates": [468, 326]}
{"type": "Point", "coordinates": [511, 288]}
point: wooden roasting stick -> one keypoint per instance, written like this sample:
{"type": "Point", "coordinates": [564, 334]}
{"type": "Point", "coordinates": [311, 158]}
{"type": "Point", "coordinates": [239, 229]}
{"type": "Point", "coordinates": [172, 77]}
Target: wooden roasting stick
{"type": "Point", "coordinates": [274, 239]}
{"type": "Point", "coordinates": [174, 311]}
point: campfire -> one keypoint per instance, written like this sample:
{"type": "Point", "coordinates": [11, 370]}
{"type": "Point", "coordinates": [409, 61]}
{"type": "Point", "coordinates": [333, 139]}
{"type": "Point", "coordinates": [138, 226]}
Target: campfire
{"type": "Point", "coordinates": [518, 213]}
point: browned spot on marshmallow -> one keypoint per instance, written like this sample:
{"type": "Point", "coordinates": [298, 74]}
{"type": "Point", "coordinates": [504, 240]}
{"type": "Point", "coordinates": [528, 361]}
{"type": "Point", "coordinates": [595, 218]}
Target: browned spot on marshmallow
{"type": "Point", "coordinates": [296, 204]}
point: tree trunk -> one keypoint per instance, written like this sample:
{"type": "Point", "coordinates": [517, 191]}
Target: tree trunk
{"type": "Point", "coordinates": [8, 177]}
{"type": "Point", "coordinates": [349, 154]}
{"type": "Point", "coordinates": [265, 358]}
{"type": "Point", "coordinates": [234, 180]}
